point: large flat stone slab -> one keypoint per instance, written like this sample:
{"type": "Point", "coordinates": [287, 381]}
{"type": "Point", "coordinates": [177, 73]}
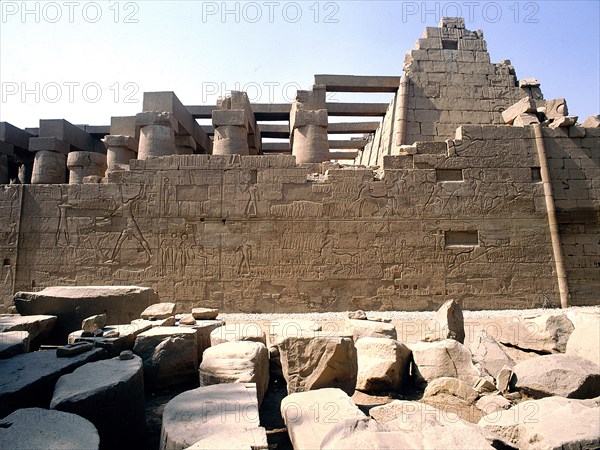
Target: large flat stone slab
{"type": "Point", "coordinates": [170, 355]}
{"type": "Point", "coordinates": [106, 392]}
{"type": "Point", "coordinates": [13, 343]}
{"type": "Point", "coordinates": [72, 304]}
{"type": "Point", "coordinates": [310, 416]}
{"type": "Point", "coordinates": [114, 345]}
{"type": "Point", "coordinates": [39, 327]}
{"type": "Point", "coordinates": [29, 379]}
{"type": "Point", "coordinates": [36, 428]}
{"type": "Point", "coordinates": [218, 416]}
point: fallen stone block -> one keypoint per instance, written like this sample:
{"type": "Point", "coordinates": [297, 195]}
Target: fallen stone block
{"type": "Point", "coordinates": [541, 333]}
{"type": "Point", "coordinates": [236, 362]}
{"type": "Point", "coordinates": [529, 82]}
{"type": "Point", "coordinates": [72, 304]}
{"type": "Point", "coordinates": [525, 105]}
{"type": "Point", "coordinates": [158, 311]}
{"type": "Point", "coordinates": [238, 332]}
{"type": "Point", "coordinates": [359, 328]}
{"type": "Point", "coordinates": [115, 339]}
{"type": "Point", "coordinates": [205, 313]}
{"type": "Point", "coordinates": [492, 403]}
{"type": "Point", "coordinates": [357, 315]}
{"type": "Point", "coordinates": [36, 428]}
{"type": "Point", "coordinates": [105, 393]}
{"type": "Point", "coordinates": [383, 364]}
{"type": "Point", "coordinates": [284, 328]}
{"type": "Point", "coordinates": [203, 330]}
{"type": "Point", "coordinates": [13, 343]}
{"type": "Point", "coordinates": [449, 321]}
{"type": "Point", "coordinates": [218, 416]}
{"type": "Point", "coordinates": [592, 121]}
{"type": "Point", "coordinates": [584, 341]}
{"type": "Point", "coordinates": [28, 379]}
{"type": "Point", "coordinates": [552, 422]}
{"type": "Point", "coordinates": [170, 355]}
{"type": "Point", "coordinates": [564, 121]}
{"type": "Point", "coordinates": [94, 323]}
{"type": "Point", "coordinates": [320, 361]}
{"type": "Point", "coordinates": [424, 426]}
{"type": "Point", "coordinates": [487, 352]}
{"type": "Point", "coordinates": [451, 386]}
{"type": "Point", "coordinates": [525, 120]}
{"type": "Point", "coordinates": [186, 319]}
{"type": "Point", "coordinates": [447, 358]}
{"type": "Point", "coordinates": [39, 327]}
{"type": "Point", "coordinates": [563, 375]}
{"type": "Point", "coordinates": [167, 322]}
{"type": "Point", "coordinates": [503, 378]}
{"type": "Point", "coordinates": [310, 416]}
{"type": "Point", "coordinates": [69, 350]}
{"type": "Point", "coordinates": [556, 108]}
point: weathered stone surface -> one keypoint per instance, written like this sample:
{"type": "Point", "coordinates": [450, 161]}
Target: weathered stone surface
{"type": "Point", "coordinates": [357, 315]}
{"type": "Point", "coordinates": [203, 330]}
{"type": "Point", "coordinates": [158, 311]}
{"type": "Point", "coordinates": [492, 403]}
{"type": "Point", "coordinates": [525, 105]}
{"type": "Point", "coordinates": [552, 422]}
{"type": "Point", "coordinates": [284, 328]}
{"type": "Point", "coordinates": [503, 378]}
{"type": "Point", "coordinates": [320, 361]}
{"type": "Point", "coordinates": [187, 319]}
{"type": "Point", "coordinates": [37, 428]}
{"type": "Point", "coordinates": [449, 320]}
{"type": "Point", "coordinates": [170, 355]}
{"type": "Point", "coordinates": [238, 332]}
{"type": "Point", "coordinates": [584, 341]}
{"type": "Point", "coordinates": [142, 323]}
{"type": "Point", "coordinates": [359, 328]}
{"type": "Point", "coordinates": [310, 416]}
{"type": "Point", "coordinates": [116, 338]}
{"type": "Point", "coordinates": [487, 352]}
{"type": "Point", "coordinates": [564, 375]}
{"type": "Point", "coordinates": [205, 313]}
{"type": "Point", "coordinates": [105, 393]}
{"type": "Point", "coordinates": [423, 426]}
{"type": "Point", "coordinates": [39, 327]}
{"type": "Point", "coordinates": [556, 108]}
{"type": "Point", "coordinates": [13, 343]}
{"type": "Point", "coordinates": [543, 333]}
{"type": "Point", "coordinates": [236, 362]}
{"type": "Point", "coordinates": [526, 119]}
{"type": "Point", "coordinates": [564, 121]}
{"type": "Point", "coordinates": [93, 323]}
{"type": "Point", "coordinates": [447, 358]}
{"type": "Point", "coordinates": [592, 121]}
{"type": "Point", "coordinates": [70, 350]}
{"type": "Point", "coordinates": [72, 304]}
{"type": "Point", "coordinates": [28, 379]}
{"type": "Point", "coordinates": [382, 364]}
{"type": "Point", "coordinates": [217, 416]}
{"type": "Point", "coordinates": [451, 386]}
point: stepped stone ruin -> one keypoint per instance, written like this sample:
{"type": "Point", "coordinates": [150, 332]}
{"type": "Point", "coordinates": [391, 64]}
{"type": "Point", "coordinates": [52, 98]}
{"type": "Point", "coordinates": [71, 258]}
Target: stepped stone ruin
{"type": "Point", "coordinates": [128, 248]}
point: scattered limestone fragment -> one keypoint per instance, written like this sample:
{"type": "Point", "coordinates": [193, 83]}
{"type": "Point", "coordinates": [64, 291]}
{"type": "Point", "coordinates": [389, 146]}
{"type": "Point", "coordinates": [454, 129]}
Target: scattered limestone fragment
{"type": "Point", "coordinates": [565, 121]}
{"type": "Point", "coordinates": [94, 323]}
{"type": "Point", "coordinates": [487, 352]}
{"type": "Point", "coordinates": [449, 320]}
{"type": "Point", "coordinates": [158, 311]}
{"type": "Point", "coordinates": [188, 319]}
{"type": "Point", "coordinates": [451, 386]}
{"type": "Point", "coordinates": [526, 119]}
{"type": "Point", "coordinates": [556, 108]}
{"type": "Point", "coordinates": [592, 121]}
{"type": "Point", "coordinates": [382, 364]}
{"type": "Point", "coordinates": [525, 105]}
{"type": "Point", "coordinates": [360, 328]}
{"type": "Point", "coordinates": [205, 313]}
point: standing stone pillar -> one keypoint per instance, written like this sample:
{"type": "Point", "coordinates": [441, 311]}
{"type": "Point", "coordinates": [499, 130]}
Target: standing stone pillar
{"type": "Point", "coordinates": [50, 160]}
{"type": "Point", "coordinates": [83, 164]}
{"type": "Point", "coordinates": [308, 127]}
{"type": "Point", "coordinates": [119, 150]}
{"type": "Point", "coordinates": [231, 132]}
{"type": "Point", "coordinates": [157, 135]}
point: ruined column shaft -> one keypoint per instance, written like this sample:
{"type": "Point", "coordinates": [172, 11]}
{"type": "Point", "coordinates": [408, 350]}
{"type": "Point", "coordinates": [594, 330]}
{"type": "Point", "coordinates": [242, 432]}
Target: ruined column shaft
{"type": "Point", "coordinates": [231, 132]}
{"type": "Point", "coordinates": [310, 144]}
{"type": "Point", "coordinates": [156, 140]}
{"type": "Point", "coordinates": [49, 168]}
{"type": "Point", "coordinates": [83, 164]}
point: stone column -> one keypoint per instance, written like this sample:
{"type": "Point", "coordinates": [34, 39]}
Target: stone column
{"type": "Point", "coordinates": [83, 164]}
{"type": "Point", "coordinates": [185, 144]}
{"type": "Point", "coordinates": [119, 150]}
{"type": "Point", "coordinates": [308, 127]}
{"type": "Point", "coordinates": [157, 135]}
{"type": "Point", "coordinates": [49, 168]}
{"type": "Point", "coordinates": [231, 132]}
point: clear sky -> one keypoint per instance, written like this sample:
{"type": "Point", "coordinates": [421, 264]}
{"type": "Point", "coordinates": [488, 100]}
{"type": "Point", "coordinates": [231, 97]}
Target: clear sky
{"type": "Point", "coordinates": [87, 61]}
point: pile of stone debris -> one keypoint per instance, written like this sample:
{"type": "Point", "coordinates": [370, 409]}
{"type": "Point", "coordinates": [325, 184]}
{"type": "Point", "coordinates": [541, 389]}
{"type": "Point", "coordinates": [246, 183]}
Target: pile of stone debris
{"type": "Point", "coordinates": [521, 381]}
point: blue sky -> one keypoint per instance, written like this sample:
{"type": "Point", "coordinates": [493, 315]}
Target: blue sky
{"type": "Point", "coordinates": [85, 61]}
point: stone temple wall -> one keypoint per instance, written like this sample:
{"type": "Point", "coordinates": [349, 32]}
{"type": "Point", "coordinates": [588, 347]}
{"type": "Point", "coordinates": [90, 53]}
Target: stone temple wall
{"type": "Point", "coordinates": [464, 219]}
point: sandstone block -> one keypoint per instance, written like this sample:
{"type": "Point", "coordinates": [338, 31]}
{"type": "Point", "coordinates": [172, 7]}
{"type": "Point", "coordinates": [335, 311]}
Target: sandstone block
{"type": "Point", "coordinates": [238, 332]}
{"type": "Point", "coordinates": [106, 392]}
{"type": "Point", "coordinates": [304, 415]}
{"type": "Point", "coordinates": [13, 343]}
{"type": "Point", "coordinates": [552, 422]}
{"type": "Point", "coordinates": [143, 323]}
{"type": "Point", "coordinates": [170, 355]}
{"type": "Point", "coordinates": [556, 108]}
{"type": "Point", "coordinates": [451, 386]}
{"type": "Point", "coordinates": [382, 364]}
{"type": "Point", "coordinates": [524, 120]}
{"type": "Point", "coordinates": [72, 304]}
{"type": "Point", "coordinates": [447, 358]}
{"type": "Point", "coordinates": [38, 326]}
{"type": "Point", "coordinates": [37, 428]}
{"type": "Point", "coordinates": [503, 378]}
{"type": "Point", "coordinates": [205, 313]}
{"type": "Point", "coordinates": [564, 121]}
{"type": "Point", "coordinates": [544, 332]}
{"type": "Point", "coordinates": [322, 360]}
{"type": "Point", "coordinates": [203, 330]}
{"type": "Point", "coordinates": [487, 352]}
{"type": "Point", "coordinates": [218, 416]}
{"type": "Point", "coordinates": [115, 338]}
{"type": "Point", "coordinates": [369, 328]}
{"type": "Point", "coordinates": [525, 105]}
{"type": "Point", "coordinates": [236, 362]}
{"type": "Point", "coordinates": [94, 323]}
{"type": "Point", "coordinates": [563, 375]}
{"type": "Point", "coordinates": [584, 341]}
{"type": "Point", "coordinates": [592, 121]}
{"type": "Point", "coordinates": [158, 311]}
{"type": "Point", "coordinates": [449, 320]}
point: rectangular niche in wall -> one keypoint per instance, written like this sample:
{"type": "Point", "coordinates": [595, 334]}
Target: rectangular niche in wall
{"type": "Point", "coordinates": [536, 175]}
{"type": "Point", "coordinates": [461, 238]}
{"type": "Point", "coordinates": [442, 175]}
{"type": "Point", "coordinates": [449, 44]}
